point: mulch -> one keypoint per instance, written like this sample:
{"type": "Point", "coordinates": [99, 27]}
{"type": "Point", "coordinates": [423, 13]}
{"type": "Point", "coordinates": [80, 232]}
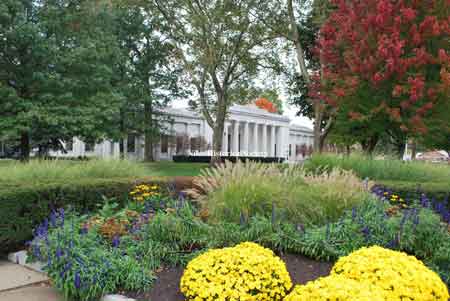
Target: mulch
{"type": "Point", "coordinates": [301, 269]}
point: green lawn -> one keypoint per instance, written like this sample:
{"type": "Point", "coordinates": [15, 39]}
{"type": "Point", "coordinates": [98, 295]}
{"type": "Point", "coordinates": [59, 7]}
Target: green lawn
{"type": "Point", "coordinates": [172, 169]}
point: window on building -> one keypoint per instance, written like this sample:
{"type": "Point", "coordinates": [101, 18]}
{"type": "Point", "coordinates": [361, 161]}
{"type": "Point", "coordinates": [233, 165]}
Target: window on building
{"type": "Point", "coordinates": [69, 145]}
{"type": "Point", "coordinates": [131, 143]}
{"type": "Point", "coordinates": [89, 146]}
{"type": "Point", "coordinates": [164, 144]}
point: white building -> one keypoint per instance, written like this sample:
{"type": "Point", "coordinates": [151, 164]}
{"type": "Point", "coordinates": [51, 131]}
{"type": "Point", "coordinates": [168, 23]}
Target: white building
{"type": "Point", "coordinates": [249, 131]}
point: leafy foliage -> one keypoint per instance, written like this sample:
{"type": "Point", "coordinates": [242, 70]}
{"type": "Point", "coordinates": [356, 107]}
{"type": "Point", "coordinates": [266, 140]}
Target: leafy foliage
{"type": "Point", "coordinates": [396, 52]}
{"type": "Point", "coordinates": [56, 73]}
{"type": "Point", "coordinates": [222, 47]}
{"type": "Point", "coordinates": [415, 230]}
{"type": "Point", "coordinates": [147, 76]}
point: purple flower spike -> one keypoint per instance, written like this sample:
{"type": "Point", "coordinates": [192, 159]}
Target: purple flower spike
{"type": "Point", "coordinates": [77, 280]}
{"type": "Point", "coordinates": [59, 253]}
{"type": "Point", "coordinates": [116, 241]}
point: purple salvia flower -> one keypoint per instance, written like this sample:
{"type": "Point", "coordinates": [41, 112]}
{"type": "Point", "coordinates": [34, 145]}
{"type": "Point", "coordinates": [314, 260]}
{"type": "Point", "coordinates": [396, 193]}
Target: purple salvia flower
{"type": "Point", "coordinates": [77, 280]}
{"type": "Point", "coordinates": [116, 241]}
{"type": "Point", "coordinates": [366, 233]}
{"type": "Point", "coordinates": [59, 253]}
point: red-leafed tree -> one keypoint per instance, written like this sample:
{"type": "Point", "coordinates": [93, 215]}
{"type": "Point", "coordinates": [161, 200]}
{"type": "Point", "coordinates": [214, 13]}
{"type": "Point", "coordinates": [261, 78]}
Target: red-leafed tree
{"type": "Point", "coordinates": [397, 51]}
{"type": "Point", "coordinates": [264, 103]}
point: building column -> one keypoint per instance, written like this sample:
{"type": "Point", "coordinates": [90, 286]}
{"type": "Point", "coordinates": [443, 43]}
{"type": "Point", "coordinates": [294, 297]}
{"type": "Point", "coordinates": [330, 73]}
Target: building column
{"type": "Point", "coordinates": [225, 139]}
{"type": "Point", "coordinates": [272, 141]}
{"type": "Point", "coordinates": [284, 145]}
{"type": "Point", "coordinates": [255, 138]}
{"type": "Point", "coordinates": [235, 148]}
{"type": "Point", "coordinates": [264, 140]}
{"type": "Point", "coordinates": [245, 142]}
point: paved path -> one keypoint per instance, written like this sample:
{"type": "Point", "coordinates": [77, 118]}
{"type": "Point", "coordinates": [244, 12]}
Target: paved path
{"type": "Point", "coordinates": [31, 293]}
{"type": "Point", "coordinates": [18, 283]}
{"type": "Point", "coordinates": [13, 276]}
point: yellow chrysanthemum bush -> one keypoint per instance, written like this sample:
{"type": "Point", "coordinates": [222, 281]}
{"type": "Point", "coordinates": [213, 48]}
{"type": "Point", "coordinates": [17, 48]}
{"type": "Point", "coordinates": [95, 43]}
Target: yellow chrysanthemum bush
{"type": "Point", "coordinates": [247, 271]}
{"type": "Point", "coordinates": [401, 276]}
{"type": "Point", "coordinates": [337, 288]}
{"type": "Point", "coordinates": [375, 274]}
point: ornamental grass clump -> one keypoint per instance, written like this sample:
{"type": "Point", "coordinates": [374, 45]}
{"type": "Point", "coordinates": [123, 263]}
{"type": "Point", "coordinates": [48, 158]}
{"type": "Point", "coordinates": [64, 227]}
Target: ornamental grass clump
{"type": "Point", "coordinates": [248, 189]}
{"type": "Point", "coordinates": [244, 272]}
{"type": "Point", "coordinates": [401, 276]}
{"type": "Point", "coordinates": [336, 287]}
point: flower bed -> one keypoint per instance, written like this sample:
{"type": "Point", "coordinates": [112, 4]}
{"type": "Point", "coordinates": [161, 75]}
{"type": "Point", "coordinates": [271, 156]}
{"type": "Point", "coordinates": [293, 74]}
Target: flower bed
{"type": "Point", "coordinates": [121, 248]}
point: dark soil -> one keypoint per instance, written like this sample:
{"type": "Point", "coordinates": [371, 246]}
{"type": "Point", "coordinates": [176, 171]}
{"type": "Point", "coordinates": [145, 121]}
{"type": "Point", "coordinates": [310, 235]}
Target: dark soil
{"type": "Point", "coordinates": [301, 269]}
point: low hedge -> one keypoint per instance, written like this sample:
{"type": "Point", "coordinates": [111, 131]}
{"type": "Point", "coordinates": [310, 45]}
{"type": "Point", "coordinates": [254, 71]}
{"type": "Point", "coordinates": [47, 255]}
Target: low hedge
{"type": "Point", "coordinates": [207, 159]}
{"type": "Point", "coordinates": [23, 207]}
{"type": "Point", "coordinates": [437, 190]}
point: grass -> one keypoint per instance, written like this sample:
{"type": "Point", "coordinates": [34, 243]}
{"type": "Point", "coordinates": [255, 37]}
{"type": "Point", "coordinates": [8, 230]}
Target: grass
{"type": "Point", "coordinates": [13, 173]}
{"type": "Point", "coordinates": [37, 171]}
{"type": "Point", "coordinates": [251, 189]}
{"type": "Point", "coordinates": [172, 169]}
{"type": "Point", "coordinates": [383, 170]}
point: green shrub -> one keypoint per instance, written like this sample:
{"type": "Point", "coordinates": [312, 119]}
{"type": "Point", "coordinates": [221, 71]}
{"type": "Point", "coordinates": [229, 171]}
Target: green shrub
{"type": "Point", "coordinates": [23, 207]}
{"type": "Point", "coordinates": [416, 230]}
{"type": "Point", "coordinates": [383, 170]}
{"type": "Point", "coordinates": [232, 191]}
{"type": "Point", "coordinates": [82, 264]}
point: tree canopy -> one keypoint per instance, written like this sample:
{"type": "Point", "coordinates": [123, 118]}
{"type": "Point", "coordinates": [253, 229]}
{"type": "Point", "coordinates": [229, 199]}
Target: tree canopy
{"type": "Point", "coordinates": [56, 70]}
{"type": "Point", "coordinates": [222, 47]}
{"type": "Point", "coordinates": [395, 53]}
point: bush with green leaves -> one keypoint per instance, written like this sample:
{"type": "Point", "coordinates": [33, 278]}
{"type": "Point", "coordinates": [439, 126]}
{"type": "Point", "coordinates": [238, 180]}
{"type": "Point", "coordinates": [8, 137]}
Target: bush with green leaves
{"type": "Point", "coordinates": [415, 230]}
{"type": "Point", "coordinates": [81, 263]}
{"type": "Point", "coordinates": [24, 206]}
{"type": "Point", "coordinates": [231, 191]}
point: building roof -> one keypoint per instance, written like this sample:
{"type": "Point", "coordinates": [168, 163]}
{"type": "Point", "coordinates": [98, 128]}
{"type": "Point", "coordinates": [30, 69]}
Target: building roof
{"type": "Point", "coordinates": [246, 110]}
{"type": "Point", "coordinates": [300, 128]}
{"type": "Point", "coordinates": [253, 110]}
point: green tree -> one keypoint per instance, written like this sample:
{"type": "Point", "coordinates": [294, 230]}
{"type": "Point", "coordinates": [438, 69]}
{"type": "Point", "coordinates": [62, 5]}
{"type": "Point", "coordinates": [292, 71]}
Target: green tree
{"type": "Point", "coordinates": [222, 46]}
{"type": "Point", "coordinates": [55, 73]}
{"type": "Point", "coordinates": [148, 77]}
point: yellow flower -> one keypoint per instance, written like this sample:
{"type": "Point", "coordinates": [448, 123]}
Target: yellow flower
{"type": "Point", "coordinates": [400, 276]}
{"type": "Point", "coordinates": [336, 287]}
{"type": "Point", "coordinates": [244, 272]}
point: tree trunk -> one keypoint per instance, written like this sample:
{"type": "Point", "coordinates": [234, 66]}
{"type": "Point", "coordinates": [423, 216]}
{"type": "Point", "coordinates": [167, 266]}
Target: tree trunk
{"type": "Point", "coordinates": [217, 144]}
{"type": "Point", "coordinates": [25, 147]}
{"type": "Point", "coordinates": [148, 133]}
{"type": "Point", "coordinates": [122, 148]}
{"type": "Point", "coordinates": [317, 130]}
{"type": "Point", "coordinates": [413, 149]}
{"type": "Point", "coordinates": [218, 130]}
{"type": "Point", "coordinates": [347, 150]}
{"type": "Point", "coordinates": [369, 145]}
